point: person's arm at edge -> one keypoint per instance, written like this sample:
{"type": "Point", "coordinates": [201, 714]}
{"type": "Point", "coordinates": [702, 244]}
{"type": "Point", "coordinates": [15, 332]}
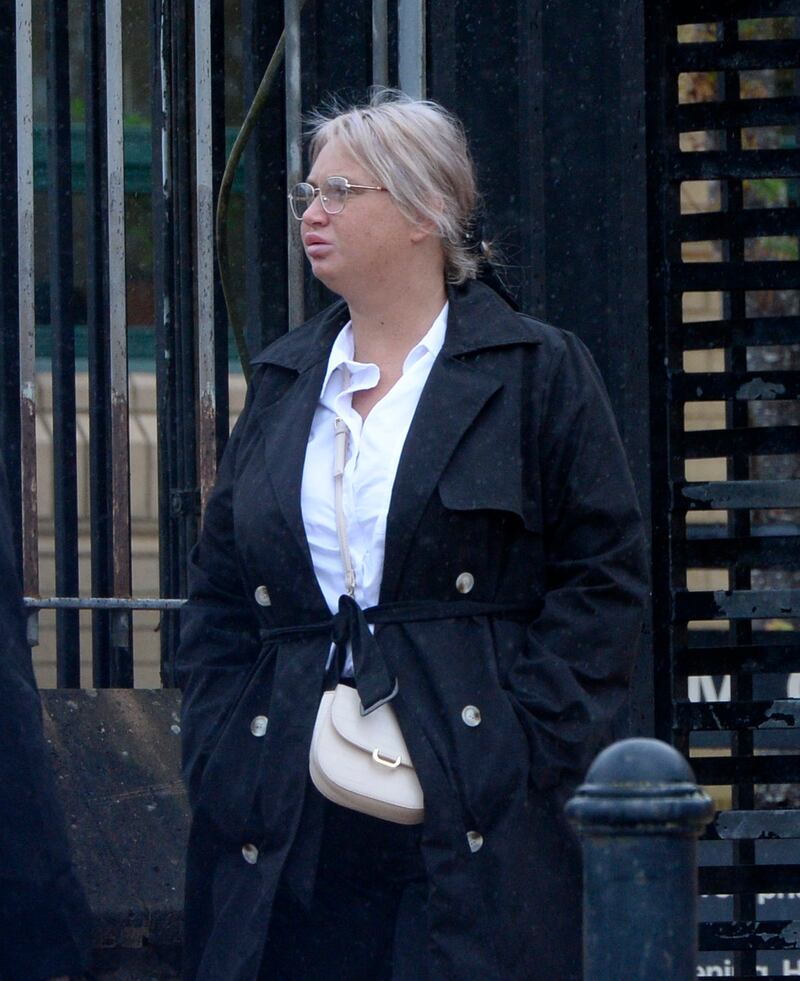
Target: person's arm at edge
{"type": "Point", "coordinates": [44, 919]}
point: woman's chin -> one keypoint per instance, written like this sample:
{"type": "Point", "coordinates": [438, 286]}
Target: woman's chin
{"type": "Point", "coordinates": [326, 274]}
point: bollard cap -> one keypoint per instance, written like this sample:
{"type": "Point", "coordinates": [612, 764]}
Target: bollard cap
{"type": "Point", "coordinates": [640, 787]}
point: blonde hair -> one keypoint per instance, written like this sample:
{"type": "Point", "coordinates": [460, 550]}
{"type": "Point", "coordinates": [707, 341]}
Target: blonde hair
{"type": "Point", "coordinates": [418, 151]}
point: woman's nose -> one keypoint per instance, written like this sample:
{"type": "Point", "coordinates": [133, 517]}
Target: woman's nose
{"type": "Point", "coordinates": [315, 214]}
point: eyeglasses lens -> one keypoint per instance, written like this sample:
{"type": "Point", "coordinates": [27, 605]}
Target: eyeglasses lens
{"type": "Point", "coordinates": [301, 198]}
{"type": "Point", "coordinates": [334, 195]}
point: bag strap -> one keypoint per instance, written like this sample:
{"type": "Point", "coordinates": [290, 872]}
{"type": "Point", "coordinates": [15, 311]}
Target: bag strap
{"type": "Point", "coordinates": [342, 434]}
{"type": "Point", "coordinates": [340, 457]}
{"type": "Point", "coordinates": [339, 461]}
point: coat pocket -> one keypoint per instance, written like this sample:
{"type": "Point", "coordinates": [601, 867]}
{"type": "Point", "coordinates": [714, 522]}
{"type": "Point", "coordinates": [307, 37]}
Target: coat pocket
{"type": "Point", "coordinates": [492, 530]}
{"type": "Point", "coordinates": [489, 491]}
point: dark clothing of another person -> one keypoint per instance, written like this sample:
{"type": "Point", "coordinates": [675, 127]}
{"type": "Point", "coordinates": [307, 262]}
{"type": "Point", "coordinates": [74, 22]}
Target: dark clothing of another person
{"type": "Point", "coordinates": [44, 919]}
{"type": "Point", "coordinates": [367, 914]}
{"type": "Point", "coordinates": [512, 473]}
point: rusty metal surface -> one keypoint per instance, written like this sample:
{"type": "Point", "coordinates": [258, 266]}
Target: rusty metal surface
{"type": "Point", "coordinates": [720, 495]}
{"type": "Point", "coordinates": [750, 935]}
{"type": "Point", "coordinates": [207, 429]}
{"type": "Point", "coordinates": [116, 756]}
{"type": "Point", "coordinates": [736, 604]}
{"type": "Point", "coordinates": [30, 521]}
{"type": "Point", "coordinates": [782, 713]}
{"type": "Point", "coordinates": [754, 825]}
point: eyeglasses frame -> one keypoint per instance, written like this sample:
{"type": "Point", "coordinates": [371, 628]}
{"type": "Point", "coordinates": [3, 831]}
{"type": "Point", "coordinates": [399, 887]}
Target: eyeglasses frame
{"type": "Point", "coordinates": [348, 187]}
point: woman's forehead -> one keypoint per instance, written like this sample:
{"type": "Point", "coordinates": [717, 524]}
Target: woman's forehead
{"type": "Point", "coordinates": [334, 159]}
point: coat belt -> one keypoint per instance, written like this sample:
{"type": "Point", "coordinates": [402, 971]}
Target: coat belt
{"type": "Point", "coordinates": [350, 625]}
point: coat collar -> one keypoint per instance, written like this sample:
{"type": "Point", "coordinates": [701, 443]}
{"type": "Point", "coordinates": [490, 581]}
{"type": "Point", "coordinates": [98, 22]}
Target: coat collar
{"type": "Point", "coordinates": [477, 319]}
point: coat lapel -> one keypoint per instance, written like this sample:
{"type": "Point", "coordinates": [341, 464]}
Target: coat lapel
{"type": "Point", "coordinates": [285, 426]}
{"type": "Point", "coordinates": [285, 423]}
{"type": "Point", "coordinates": [452, 398]}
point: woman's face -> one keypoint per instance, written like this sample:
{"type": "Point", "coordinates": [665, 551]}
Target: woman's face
{"type": "Point", "coordinates": [365, 246]}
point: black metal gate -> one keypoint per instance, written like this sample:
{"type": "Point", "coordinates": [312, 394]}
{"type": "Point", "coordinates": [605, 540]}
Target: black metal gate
{"type": "Point", "coordinates": [724, 122]}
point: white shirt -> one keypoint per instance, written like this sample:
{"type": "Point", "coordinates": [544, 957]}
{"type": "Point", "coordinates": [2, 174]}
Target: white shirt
{"type": "Point", "coordinates": [374, 448]}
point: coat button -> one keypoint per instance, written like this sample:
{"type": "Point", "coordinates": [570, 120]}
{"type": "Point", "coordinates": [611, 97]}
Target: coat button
{"type": "Point", "coordinates": [474, 840]}
{"type": "Point", "coordinates": [250, 854]}
{"type": "Point", "coordinates": [262, 596]}
{"type": "Point", "coordinates": [465, 582]}
{"type": "Point", "coordinates": [259, 725]}
{"type": "Point", "coordinates": [471, 715]}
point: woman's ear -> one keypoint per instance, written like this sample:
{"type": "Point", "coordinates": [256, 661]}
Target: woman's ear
{"type": "Point", "coordinates": [422, 229]}
{"type": "Point", "coordinates": [426, 225]}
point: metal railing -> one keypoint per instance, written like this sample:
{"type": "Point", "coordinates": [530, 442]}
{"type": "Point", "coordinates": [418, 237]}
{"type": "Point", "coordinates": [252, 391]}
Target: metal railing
{"type": "Point", "coordinates": [725, 216]}
{"type": "Point", "coordinates": [191, 330]}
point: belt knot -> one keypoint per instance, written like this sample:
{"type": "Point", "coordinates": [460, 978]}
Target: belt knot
{"type": "Point", "coordinates": [375, 685]}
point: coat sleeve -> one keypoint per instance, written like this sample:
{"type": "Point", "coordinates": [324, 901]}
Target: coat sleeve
{"type": "Point", "coordinates": [572, 677]}
{"type": "Point", "coordinates": [219, 630]}
{"type": "Point", "coordinates": [44, 920]}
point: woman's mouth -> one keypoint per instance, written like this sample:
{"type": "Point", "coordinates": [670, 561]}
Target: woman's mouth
{"type": "Point", "coordinates": [316, 246]}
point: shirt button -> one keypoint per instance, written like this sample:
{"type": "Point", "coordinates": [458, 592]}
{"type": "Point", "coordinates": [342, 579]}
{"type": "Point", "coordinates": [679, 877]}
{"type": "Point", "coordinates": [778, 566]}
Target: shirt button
{"type": "Point", "coordinates": [474, 840]}
{"type": "Point", "coordinates": [250, 854]}
{"type": "Point", "coordinates": [471, 715]}
{"type": "Point", "coordinates": [465, 582]}
{"type": "Point", "coordinates": [259, 725]}
{"type": "Point", "coordinates": [262, 596]}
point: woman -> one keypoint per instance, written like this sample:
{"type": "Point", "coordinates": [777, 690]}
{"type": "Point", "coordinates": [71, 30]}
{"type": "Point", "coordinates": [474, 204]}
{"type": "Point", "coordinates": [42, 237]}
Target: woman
{"type": "Point", "coordinates": [484, 473]}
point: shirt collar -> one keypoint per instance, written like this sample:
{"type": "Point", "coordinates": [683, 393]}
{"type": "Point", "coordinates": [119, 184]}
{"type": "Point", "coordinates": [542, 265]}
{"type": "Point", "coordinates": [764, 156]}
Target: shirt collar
{"type": "Point", "coordinates": [342, 351]}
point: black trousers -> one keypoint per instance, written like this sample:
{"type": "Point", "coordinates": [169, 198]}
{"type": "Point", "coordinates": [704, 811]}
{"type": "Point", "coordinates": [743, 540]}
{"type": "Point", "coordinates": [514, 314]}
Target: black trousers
{"type": "Point", "coordinates": [367, 919]}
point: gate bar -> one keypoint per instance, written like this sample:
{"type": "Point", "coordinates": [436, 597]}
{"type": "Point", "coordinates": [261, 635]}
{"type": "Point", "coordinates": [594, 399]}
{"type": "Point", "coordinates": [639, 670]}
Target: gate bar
{"type": "Point", "coordinates": [380, 42]}
{"type": "Point", "coordinates": [294, 159]}
{"type": "Point", "coordinates": [9, 305]}
{"type": "Point", "coordinates": [97, 336]}
{"type": "Point", "coordinates": [59, 166]}
{"type": "Point", "coordinates": [27, 317]}
{"type": "Point", "coordinates": [122, 664]}
{"type": "Point", "coordinates": [204, 175]}
{"type": "Point", "coordinates": [164, 288]}
{"type": "Point", "coordinates": [411, 40]}
{"type": "Point", "coordinates": [101, 603]}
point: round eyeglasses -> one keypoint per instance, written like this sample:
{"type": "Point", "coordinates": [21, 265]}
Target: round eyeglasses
{"type": "Point", "coordinates": [333, 194]}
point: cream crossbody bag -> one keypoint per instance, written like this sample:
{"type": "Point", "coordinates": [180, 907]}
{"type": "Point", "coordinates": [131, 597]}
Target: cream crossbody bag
{"type": "Point", "coordinates": [361, 761]}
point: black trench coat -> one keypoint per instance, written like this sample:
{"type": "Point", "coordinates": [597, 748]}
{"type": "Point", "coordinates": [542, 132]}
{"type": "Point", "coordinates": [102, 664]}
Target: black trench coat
{"type": "Point", "coordinates": [512, 471]}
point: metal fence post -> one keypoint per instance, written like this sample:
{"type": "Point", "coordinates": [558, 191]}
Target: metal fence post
{"type": "Point", "coordinates": [639, 814]}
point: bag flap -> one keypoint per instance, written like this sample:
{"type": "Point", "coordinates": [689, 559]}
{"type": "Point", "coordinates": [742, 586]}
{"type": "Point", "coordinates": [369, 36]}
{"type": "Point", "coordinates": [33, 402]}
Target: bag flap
{"type": "Point", "coordinates": [378, 730]}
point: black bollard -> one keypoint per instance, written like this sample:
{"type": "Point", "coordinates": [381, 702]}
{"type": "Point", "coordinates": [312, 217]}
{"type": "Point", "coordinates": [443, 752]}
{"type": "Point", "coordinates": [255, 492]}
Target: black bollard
{"type": "Point", "coordinates": [639, 814]}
